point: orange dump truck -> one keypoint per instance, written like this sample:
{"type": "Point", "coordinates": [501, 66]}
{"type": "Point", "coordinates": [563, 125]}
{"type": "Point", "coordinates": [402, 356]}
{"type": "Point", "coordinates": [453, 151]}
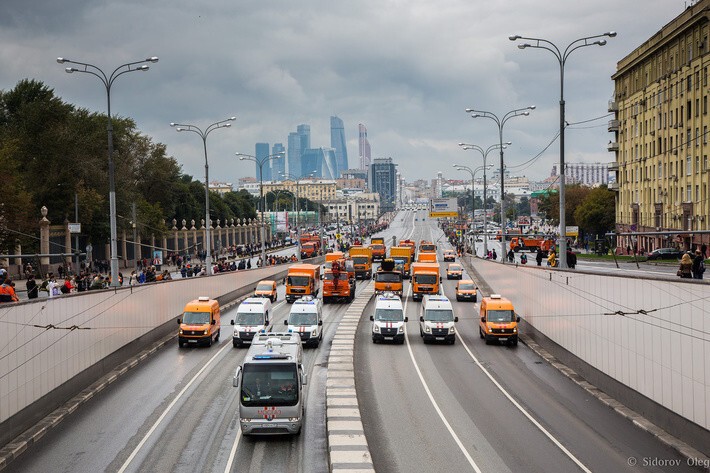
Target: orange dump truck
{"type": "Point", "coordinates": [426, 257]}
{"type": "Point", "coordinates": [425, 279]}
{"type": "Point", "coordinates": [387, 279]}
{"type": "Point", "coordinates": [338, 284]}
{"type": "Point", "coordinates": [302, 280]}
{"type": "Point", "coordinates": [403, 254]}
{"type": "Point", "coordinates": [412, 246]}
{"type": "Point", "coordinates": [362, 261]}
{"type": "Point", "coordinates": [379, 250]}
{"type": "Point", "coordinates": [531, 243]}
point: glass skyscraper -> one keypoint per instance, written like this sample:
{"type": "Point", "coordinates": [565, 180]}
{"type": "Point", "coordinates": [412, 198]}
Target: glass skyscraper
{"type": "Point", "coordinates": [382, 177]}
{"type": "Point", "coordinates": [261, 152]}
{"type": "Point", "coordinates": [337, 142]}
{"type": "Point", "coordinates": [364, 146]}
{"type": "Point", "coordinates": [294, 154]}
{"type": "Point", "coordinates": [278, 165]}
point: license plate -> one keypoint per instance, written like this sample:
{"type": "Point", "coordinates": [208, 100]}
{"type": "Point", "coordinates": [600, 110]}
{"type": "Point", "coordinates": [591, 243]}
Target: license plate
{"type": "Point", "coordinates": [440, 338]}
{"type": "Point", "coordinates": [503, 339]}
{"type": "Point", "coordinates": [389, 338]}
{"type": "Point", "coordinates": [192, 341]}
{"type": "Point", "coordinates": [266, 426]}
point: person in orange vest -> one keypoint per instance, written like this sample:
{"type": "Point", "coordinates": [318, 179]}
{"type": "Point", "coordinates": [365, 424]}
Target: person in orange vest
{"type": "Point", "coordinates": [7, 292]}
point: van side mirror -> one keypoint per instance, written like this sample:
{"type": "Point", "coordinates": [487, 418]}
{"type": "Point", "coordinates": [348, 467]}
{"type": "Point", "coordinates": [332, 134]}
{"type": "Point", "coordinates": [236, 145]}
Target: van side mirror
{"type": "Point", "coordinates": [237, 375]}
{"type": "Point", "coordinates": [421, 318]}
{"type": "Point", "coordinates": [517, 319]}
{"type": "Point", "coordinates": [483, 318]}
{"type": "Point", "coordinates": [440, 279]}
{"type": "Point", "coordinates": [231, 322]}
{"type": "Point", "coordinates": [406, 319]}
{"type": "Point", "coordinates": [305, 378]}
{"type": "Point", "coordinates": [213, 322]}
{"type": "Point", "coordinates": [178, 320]}
{"type": "Point", "coordinates": [266, 323]}
{"type": "Point", "coordinates": [372, 319]}
{"type": "Point", "coordinates": [456, 319]}
{"type": "Point", "coordinates": [285, 322]}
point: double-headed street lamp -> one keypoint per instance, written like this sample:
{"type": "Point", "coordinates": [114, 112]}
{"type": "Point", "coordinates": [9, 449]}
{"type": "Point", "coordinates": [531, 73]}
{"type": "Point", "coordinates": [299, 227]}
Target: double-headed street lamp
{"type": "Point", "coordinates": [260, 163]}
{"type": "Point", "coordinates": [461, 167]}
{"type": "Point", "coordinates": [484, 153]}
{"type": "Point", "coordinates": [562, 56]}
{"type": "Point", "coordinates": [108, 82]}
{"type": "Point", "coordinates": [500, 122]}
{"type": "Point", "coordinates": [298, 207]}
{"type": "Point", "coordinates": [208, 223]}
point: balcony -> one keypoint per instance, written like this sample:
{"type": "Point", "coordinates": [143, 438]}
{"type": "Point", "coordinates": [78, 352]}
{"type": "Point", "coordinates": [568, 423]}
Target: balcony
{"type": "Point", "coordinates": [613, 146]}
{"type": "Point", "coordinates": [614, 125]}
{"type": "Point", "coordinates": [613, 106]}
{"type": "Point", "coordinates": [613, 166]}
{"type": "Point", "coordinates": [614, 186]}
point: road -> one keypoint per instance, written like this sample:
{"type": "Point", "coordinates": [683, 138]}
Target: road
{"type": "Point", "coordinates": [424, 408]}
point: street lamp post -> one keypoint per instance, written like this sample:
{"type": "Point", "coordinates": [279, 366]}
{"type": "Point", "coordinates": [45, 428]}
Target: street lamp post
{"type": "Point", "coordinates": [208, 222]}
{"type": "Point", "coordinates": [473, 172]}
{"type": "Point", "coordinates": [500, 122]}
{"type": "Point", "coordinates": [108, 82]}
{"type": "Point", "coordinates": [260, 163]}
{"type": "Point", "coordinates": [562, 56]}
{"type": "Point", "coordinates": [484, 153]}
{"type": "Point", "coordinates": [298, 207]}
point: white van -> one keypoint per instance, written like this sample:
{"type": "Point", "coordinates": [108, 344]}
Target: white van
{"type": "Point", "coordinates": [388, 320]}
{"type": "Point", "coordinates": [306, 319]}
{"type": "Point", "coordinates": [252, 317]}
{"type": "Point", "coordinates": [436, 320]}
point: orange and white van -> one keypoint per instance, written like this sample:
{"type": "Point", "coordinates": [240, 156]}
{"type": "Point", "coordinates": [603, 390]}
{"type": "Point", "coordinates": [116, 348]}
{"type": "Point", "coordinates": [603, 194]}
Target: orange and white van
{"type": "Point", "coordinates": [498, 320]}
{"type": "Point", "coordinates": [199, 322]}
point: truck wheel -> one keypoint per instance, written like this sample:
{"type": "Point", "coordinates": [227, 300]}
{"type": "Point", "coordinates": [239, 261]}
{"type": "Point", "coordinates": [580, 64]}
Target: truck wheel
{"type": "Point", "coordinates": [480, 332]}
{"type": "Point", "coordinates": [514, 341]}
{"type": "Point", "coordinates": [218, 334]}
{"type": "Point", "coordinates": [209, 341]}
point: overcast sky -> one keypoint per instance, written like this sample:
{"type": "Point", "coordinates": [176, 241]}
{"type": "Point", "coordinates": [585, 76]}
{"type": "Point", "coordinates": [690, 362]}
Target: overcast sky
{"type": "Point", "coordinates": [407, 69]}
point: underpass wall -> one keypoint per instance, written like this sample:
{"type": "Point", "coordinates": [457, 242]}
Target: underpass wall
{"type": "Point", "coordinates": [50, 349]}
{"type": "Point", "coordinates": [645, 339]}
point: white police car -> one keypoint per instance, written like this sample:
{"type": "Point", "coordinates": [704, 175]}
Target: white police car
{"type": "Point", "coordinates": [306, 319]}
{"type": "Point", "coordinates": [388, 320]}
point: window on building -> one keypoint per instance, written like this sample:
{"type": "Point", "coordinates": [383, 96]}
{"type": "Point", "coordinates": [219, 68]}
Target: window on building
{"type": "Point", "coordinates": [688, 166]}
{"type": "Point", "coordinates": [688, 136]}
{"type": "Point", "coordinates": [689, 114]}
{"type": "Point", "coordinates": [689, 83]}
{"type": "Point", "coordinates": [688, 193]}
{"type": "Point", "coordinates": [697, 80]}
{"type": "Point", "coordinates": [697, 107]}
{"type": "Point", "coordinates": [705, 162]}
{"type": "Point", "coordinates": [705, 134]}
{"type": "Point", "coordinates": [697, 193]}
{"type": "Point", "coordinates": [697, 136]}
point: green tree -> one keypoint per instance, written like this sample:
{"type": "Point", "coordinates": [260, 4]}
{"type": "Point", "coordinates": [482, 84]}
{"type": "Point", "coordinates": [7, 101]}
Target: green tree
{"type": "Point", "coordinates": [596, 215]}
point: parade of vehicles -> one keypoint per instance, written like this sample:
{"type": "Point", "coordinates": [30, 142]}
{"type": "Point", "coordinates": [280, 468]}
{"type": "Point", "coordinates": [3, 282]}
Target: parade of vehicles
{"type": "Point", "coordinates": [362, 261]}
{"type": "Point", "coordinates": [531, 243]}
{"type": "Point", "coordinates": [388, 279]}
{"type": "Point", "coordinates": [466, 290]}
{"type": "Point", "coordinates": [388, 320]}
{"type": "Point", "coordinates": [302, 280]}
{"type": "Point", "coordinates": [402, 255]}
{"type": "Point", "coordinates": [425, 279]}
{"type": "Point", "coordinates": [252, 318]}
{"type": "Point", "coordinates": [306, 319]}
{"type": "Point", "coordinates": [338, 282]}
{"type": "Point", "coordinates": [449, 255]}
{"type": "Point", "coordinates": [200, 322]}
{"type": "Point", "coordinates": [498, 320]}
{"type": "Point", "coordinates": [270, 381]}
{"type": "Point", "coordinates": [454, 271]}
{"type": "Point", "coordinates": [437, 321]}
{"type": "Point", "coordinates": [379, 250]}
{"type": "Point", "coordinates": [266, 288]}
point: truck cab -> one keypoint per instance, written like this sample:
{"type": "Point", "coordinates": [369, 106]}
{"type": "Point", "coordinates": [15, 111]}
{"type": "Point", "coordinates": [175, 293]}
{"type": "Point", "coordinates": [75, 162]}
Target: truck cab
{"type": "Point", "coordinates": [498, 320]}
{"type": "Point", "coordinates": [306, 319]}
{"type": "Point", "coordinates": [252, 318]}
{"type": "Point", "coordinates": [302, 280]}
{"type": "Point", "coordinates": [270, 381]}
{"type": "Point", "coordinates": [387, 279]}
{"type": "Point", "coordinates": [338, 282]}
{"type": "Point", "coordinates": [362, 261]}
{"type": "Point", "coordinates": [388, 320]}
{"type": "Point", "coordinates": [437, 321]}
{"type": "Point", "coordinates": [425, 279]}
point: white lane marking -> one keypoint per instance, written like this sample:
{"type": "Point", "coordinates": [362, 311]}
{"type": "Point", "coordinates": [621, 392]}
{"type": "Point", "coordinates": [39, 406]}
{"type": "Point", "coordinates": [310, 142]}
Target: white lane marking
{"type": "Point", "coordinates": [167, 409]}
{"type": "Point", "coordinates": [233, 451]}
{"type": "Point", "coordinates": [431, 397]}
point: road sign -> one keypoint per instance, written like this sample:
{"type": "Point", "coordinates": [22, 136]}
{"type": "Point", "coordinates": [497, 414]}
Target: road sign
{"type": "Point", "coordinates": [443, 208]}
{"type": "Point", "coordinates": [74, 227]}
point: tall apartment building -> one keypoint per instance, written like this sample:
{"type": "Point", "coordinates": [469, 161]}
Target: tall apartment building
{"type": "Point", "coordinates": [363, 146]}
{"type": "Point", "coordinates": [661, 134]}
{"type": "Point", "coordinates": [337, 142]}
{"type": "Point", "coordinates": [383, 180]}
{"type": "Point", "coordinates": [261, 151]}
{"type": "Point", "coordinates": [588, 174]}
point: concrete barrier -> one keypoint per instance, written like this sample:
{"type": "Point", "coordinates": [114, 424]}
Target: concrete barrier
{"type": "Point", "coordinates": [51, 349]}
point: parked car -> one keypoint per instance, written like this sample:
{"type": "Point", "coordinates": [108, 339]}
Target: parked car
{"type": "Point", "coordinates": [665, 253]}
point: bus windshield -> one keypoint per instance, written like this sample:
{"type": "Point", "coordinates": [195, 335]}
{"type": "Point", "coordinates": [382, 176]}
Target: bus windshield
{"type": "Point", "coordinates": [439, 315]}
{"type": "Point", "coordinates": [196, 318]}
{"type": "Point", "coordinates": [500, 315]}
{"type": "Point", "coordinates": [269, 384]}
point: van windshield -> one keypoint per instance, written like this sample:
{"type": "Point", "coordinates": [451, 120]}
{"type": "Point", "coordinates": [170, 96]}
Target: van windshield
{"type": "Point", "coordinates": [196, 318]}
{"type": "Point", "coordinates": [439, 315]}
{"type": "Point", "coordinates": [269, 384]}
{"type": "Point", "coordinates": [501, 315]}
{"type": "Point", "coordinates": [264, 287]}
{"type": "Point", "coordinates": [297, 280]}
{"type": "Point", "coordinates": [249, 318]}
{"type": "Point", "coordinates": [467, 287]}
{"type": "Point", "coordinates": [388, 277]}
{"type": "Point", "coordinates": [303, 318]}
{"type": "Point", "coordinates": [425, 278]}
{"type": "Point", "coordinates": [389, 315]}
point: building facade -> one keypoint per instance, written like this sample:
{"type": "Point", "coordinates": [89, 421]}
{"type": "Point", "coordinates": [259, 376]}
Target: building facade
{"type": "Point", "coordinates": [661, 135]}
{"type": "Point", "coordinates": [338, 143]}
{"type": "Point", "coordinates": [278, 165]}
{"type": "Point", "coordinates": [357, 208]}
{"type": "Point", "coordinates": [363, 147]}
{"type": "Point", "coordinates": [588, 174]}
{"type": "Point", "coordinates": [293, 154]}
{"type": "Point", "coordinates": [383, 180]}
{"type": "Point", "coordinates": [315, 190]}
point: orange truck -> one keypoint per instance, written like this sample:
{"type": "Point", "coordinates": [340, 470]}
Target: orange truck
{"type": "Point", "coordinates": [338, 283]}
{"type": "Point", "coordinates": [310, 245]}
{"type": "Point", "coordinates": [333, 256]}
{"type": "Point", "coordinates": [379, 250]}
{"type": "Point", "coordinates": [412, 246]}
{"type": "Point", "coordinates": [403, 254]}
{"type": "Point", "coordinates": [531, 243]}
{"type": "Point", "coordinates": [302, 280]}
{"type": "Point", "coordinates": [425, 279]}
{"type": "Point", "coordinates": [362, 261]}
{"type": "Point", "coordinates": [387, 279]}
{"type": "Point", "coordinates": [425, 257]}
{"type": "Point", "coordinates": [427, 247]}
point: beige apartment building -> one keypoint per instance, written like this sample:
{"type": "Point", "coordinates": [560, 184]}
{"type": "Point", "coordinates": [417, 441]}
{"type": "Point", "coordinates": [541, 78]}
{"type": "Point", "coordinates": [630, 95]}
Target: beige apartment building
{"type": "Point", "coordinates": [661, 135]}
{"type": "Point", "coordinates": [315, 190]}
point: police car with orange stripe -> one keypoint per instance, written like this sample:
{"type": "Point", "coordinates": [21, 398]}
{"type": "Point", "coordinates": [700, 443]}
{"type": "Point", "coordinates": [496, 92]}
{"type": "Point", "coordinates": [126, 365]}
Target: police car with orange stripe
{"type": "Point", "coordinates": [436, 320]}
{"type": "Point", "coordinates": [388, 320]}
{"type": "Point", "coordinates": [306, 319]}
